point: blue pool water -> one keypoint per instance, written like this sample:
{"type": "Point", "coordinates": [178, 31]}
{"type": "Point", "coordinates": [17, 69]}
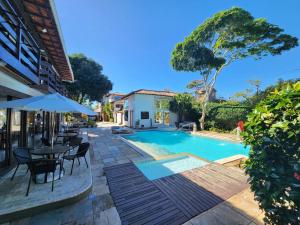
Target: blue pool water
{"type": "Point", "coordinates": [173, 142]}
{"type": "Point", "coordinates": [161, 168]}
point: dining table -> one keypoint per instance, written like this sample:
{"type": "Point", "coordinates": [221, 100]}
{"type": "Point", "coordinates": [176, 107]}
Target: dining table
{"type": "Point", "coordinates": [50, 152]}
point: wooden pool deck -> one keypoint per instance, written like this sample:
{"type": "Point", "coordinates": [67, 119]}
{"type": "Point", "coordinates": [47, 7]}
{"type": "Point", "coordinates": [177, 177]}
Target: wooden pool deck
{"type": "Point", "coordinates": [174, 199]}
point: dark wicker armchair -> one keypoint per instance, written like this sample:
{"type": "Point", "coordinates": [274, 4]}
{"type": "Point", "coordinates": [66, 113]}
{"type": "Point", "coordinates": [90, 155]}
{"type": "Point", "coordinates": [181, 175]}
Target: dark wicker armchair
{"type": "Point", "coordinates": [43, 166]}
{"type": "Point", "coordinates": [22, 156]}
{"type": "Point", "coordinates": [81, 152]}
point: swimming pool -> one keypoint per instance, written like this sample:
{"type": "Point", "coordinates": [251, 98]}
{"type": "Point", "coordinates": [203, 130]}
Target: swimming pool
{"type": "Point", "coordinates": [166, 167]}
{"type": "Point", "coordinates": [174, 142]}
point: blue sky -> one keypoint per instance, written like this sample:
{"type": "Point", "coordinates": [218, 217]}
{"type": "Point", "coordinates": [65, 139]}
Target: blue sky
{"type": "Point", "coordinates": [133, 40]}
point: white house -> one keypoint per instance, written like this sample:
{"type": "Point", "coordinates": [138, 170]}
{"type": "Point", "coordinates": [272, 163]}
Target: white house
{"type": "Point", "coordinates": [117, 105]}
{"type": "Point", "coordinates": [118, 111]}
{"type": "Point", "coordinates": [148, 108]}
{"type": "Point", "coordinates": [111, 97]}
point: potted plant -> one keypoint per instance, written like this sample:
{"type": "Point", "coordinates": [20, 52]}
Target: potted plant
{"type": "Point", "coordinates": [137, 124]}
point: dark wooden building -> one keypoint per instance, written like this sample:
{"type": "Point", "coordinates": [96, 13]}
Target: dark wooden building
{"type": "Point", "coordinates": [33, 61]}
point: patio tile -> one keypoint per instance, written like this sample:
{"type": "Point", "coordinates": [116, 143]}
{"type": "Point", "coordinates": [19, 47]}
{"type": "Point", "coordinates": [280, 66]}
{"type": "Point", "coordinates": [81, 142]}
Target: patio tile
{"type": "Point", "coordinates": [108, 217]}
{"type": "Point", "coordinates": [101, 203]}
{"type": "Point", "coordinates": [108, 160]}
{"type": "Point", "coordinates": [245, 204]}
{"type": "Point", "coordinates": [220, 215]}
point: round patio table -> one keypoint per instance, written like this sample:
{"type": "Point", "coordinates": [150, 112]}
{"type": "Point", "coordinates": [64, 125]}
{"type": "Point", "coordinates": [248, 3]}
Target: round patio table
{"type": "Point", "coordinates": [49, 151]}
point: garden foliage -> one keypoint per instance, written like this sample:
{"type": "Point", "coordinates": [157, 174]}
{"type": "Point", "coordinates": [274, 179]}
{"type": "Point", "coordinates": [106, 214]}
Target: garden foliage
{"type": "Point", "coordinates": [273, 132]}
{"type": "Point", "coordinates": [224, 116]}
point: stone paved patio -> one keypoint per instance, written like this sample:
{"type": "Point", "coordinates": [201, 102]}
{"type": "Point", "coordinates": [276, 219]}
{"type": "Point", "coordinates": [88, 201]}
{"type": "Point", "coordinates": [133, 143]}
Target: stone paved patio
{"type": "Point", "coordinates": [99, 208]}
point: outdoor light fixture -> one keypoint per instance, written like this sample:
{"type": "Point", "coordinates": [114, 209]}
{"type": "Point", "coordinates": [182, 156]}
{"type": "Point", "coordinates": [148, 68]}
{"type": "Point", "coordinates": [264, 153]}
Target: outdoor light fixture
{"type": "Point", "coordinates": [44, 30]}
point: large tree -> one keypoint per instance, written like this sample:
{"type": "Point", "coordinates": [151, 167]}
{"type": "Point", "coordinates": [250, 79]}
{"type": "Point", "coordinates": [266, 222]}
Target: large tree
{"type": "Point", "coordinates": [227, 36]}
{"type": "Point", "coordinates": [90, 83]}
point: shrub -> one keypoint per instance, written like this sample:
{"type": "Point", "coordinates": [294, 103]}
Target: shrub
{"type": "Point", "coordinates": [181, 104]}
{"type": "Point", "coordinates": [91, 123]}
{"type": "Point", "coordinates": [225, 115]}
{"type": "Point", "coordinates": [273, 133]}
{"type": "Point", "coordinates": [108, 112]}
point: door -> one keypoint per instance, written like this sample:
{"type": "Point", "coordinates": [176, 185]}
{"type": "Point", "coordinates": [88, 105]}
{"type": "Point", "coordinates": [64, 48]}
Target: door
{"type": "Point", "coordinates": [166, 118]}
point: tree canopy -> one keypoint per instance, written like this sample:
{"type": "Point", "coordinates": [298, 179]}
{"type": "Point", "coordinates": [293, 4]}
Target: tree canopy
{"type": "Point", "coordinates": [227, 36]}
{"type": "Point", "coordinates": [90, 83]}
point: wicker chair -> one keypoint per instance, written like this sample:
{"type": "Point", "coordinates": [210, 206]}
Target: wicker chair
{"type": "Point", "coordinates": [81, 152]}
{"type": "Point", "coordinates": [22, 156]}
{"type": "Point", "coordinates": [43, 166]}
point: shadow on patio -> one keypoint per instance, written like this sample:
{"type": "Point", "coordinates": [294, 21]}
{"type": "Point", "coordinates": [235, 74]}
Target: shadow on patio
{"type": "Point", "coordinates": [70, 188]}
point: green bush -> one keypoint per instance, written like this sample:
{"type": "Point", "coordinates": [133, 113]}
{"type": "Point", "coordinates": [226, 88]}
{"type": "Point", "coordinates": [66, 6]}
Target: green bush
{"type": "Point", "coordinates": [108, 112]}
{"type": "Point", "coordinates": [91, 123]}
{"type": "Point", "coordinates": [225, 115]}
{"type": "Point", "coordinates": [273, 133]}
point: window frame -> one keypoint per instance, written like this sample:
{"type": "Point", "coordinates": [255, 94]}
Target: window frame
{"type": "Point", "coordinates": [145, 113]}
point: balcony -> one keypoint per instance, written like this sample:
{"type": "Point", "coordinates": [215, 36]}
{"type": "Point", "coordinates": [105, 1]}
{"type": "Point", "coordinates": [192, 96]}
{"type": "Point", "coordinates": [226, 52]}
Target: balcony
{"type": "Point", "coordinates": [20, 52]}
{"type": "Point", "coordinates": [49, 78]}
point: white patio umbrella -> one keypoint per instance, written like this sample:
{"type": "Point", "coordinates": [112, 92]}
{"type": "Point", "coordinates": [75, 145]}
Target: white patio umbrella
{"type": "Point", "coordinates": [51, 103]}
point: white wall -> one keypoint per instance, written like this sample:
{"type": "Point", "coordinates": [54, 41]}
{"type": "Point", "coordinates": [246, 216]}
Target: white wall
{"type": "Point", "coordinates": [145, 103]}
{"type": "Point", "coordinates": [119, 117]}
{"type": "Point", "coordinates": [131, 103]}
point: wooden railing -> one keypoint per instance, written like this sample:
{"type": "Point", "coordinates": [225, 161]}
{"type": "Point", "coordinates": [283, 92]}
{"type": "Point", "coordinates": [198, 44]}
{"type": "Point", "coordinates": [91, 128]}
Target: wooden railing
{"type": "Point", "coordinates": [20, 52]}
{"type": "Point", "coordinates": [49, 77]}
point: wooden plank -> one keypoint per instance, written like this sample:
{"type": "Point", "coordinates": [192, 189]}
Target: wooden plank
{"type": "Point", "coordinates": [138, 200]}
{"type": "Point", "coordinates": [185, 209]}
{"type": "Point", "coordinates": [173, 199]}
{"type": "Point", "coordinates": [183, 193]}
{"type": "Point", "coordinates": [197, 192]}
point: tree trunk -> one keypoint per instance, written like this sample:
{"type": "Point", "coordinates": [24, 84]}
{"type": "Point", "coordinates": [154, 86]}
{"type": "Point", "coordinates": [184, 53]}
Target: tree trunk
{"type": "Point", "coordinates": [202, 119]}
{"type": "Point", "coordinates": [208, 89]}
{"type": "Point", "coordinates": [203, 113]}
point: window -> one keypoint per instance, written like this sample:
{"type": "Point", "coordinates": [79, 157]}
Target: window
{"type": "Point", "coordinates": [166, 118]}
{"type": "Point", "coordinates": [162, 104]}
{"type": "Point", "coordinates": [126, 115]}
{"type": "Point", "coordinates": [144, 115]}
{"type": "Point", "coordinates": [3, 137]}
{"type": "Point", "coordinates": [126, 104]}
{"type": "Point", "coordinates": [158, 117]}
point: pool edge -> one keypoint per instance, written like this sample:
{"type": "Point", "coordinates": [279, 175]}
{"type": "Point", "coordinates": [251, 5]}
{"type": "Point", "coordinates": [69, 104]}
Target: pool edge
{"type": "Point", "coordinates": [147, 154]}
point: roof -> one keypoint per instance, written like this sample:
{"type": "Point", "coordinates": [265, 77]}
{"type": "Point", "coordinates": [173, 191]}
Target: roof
{"type": "Point", "coordinates": [151, 92]}
{"type": "Point", "coordinates": [115, 94]}
{"type": "Point", "coordinates": [44, 18]}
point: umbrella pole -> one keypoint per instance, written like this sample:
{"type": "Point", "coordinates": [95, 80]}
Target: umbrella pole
{"type": "Point", "coordinates": [52, 141]}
